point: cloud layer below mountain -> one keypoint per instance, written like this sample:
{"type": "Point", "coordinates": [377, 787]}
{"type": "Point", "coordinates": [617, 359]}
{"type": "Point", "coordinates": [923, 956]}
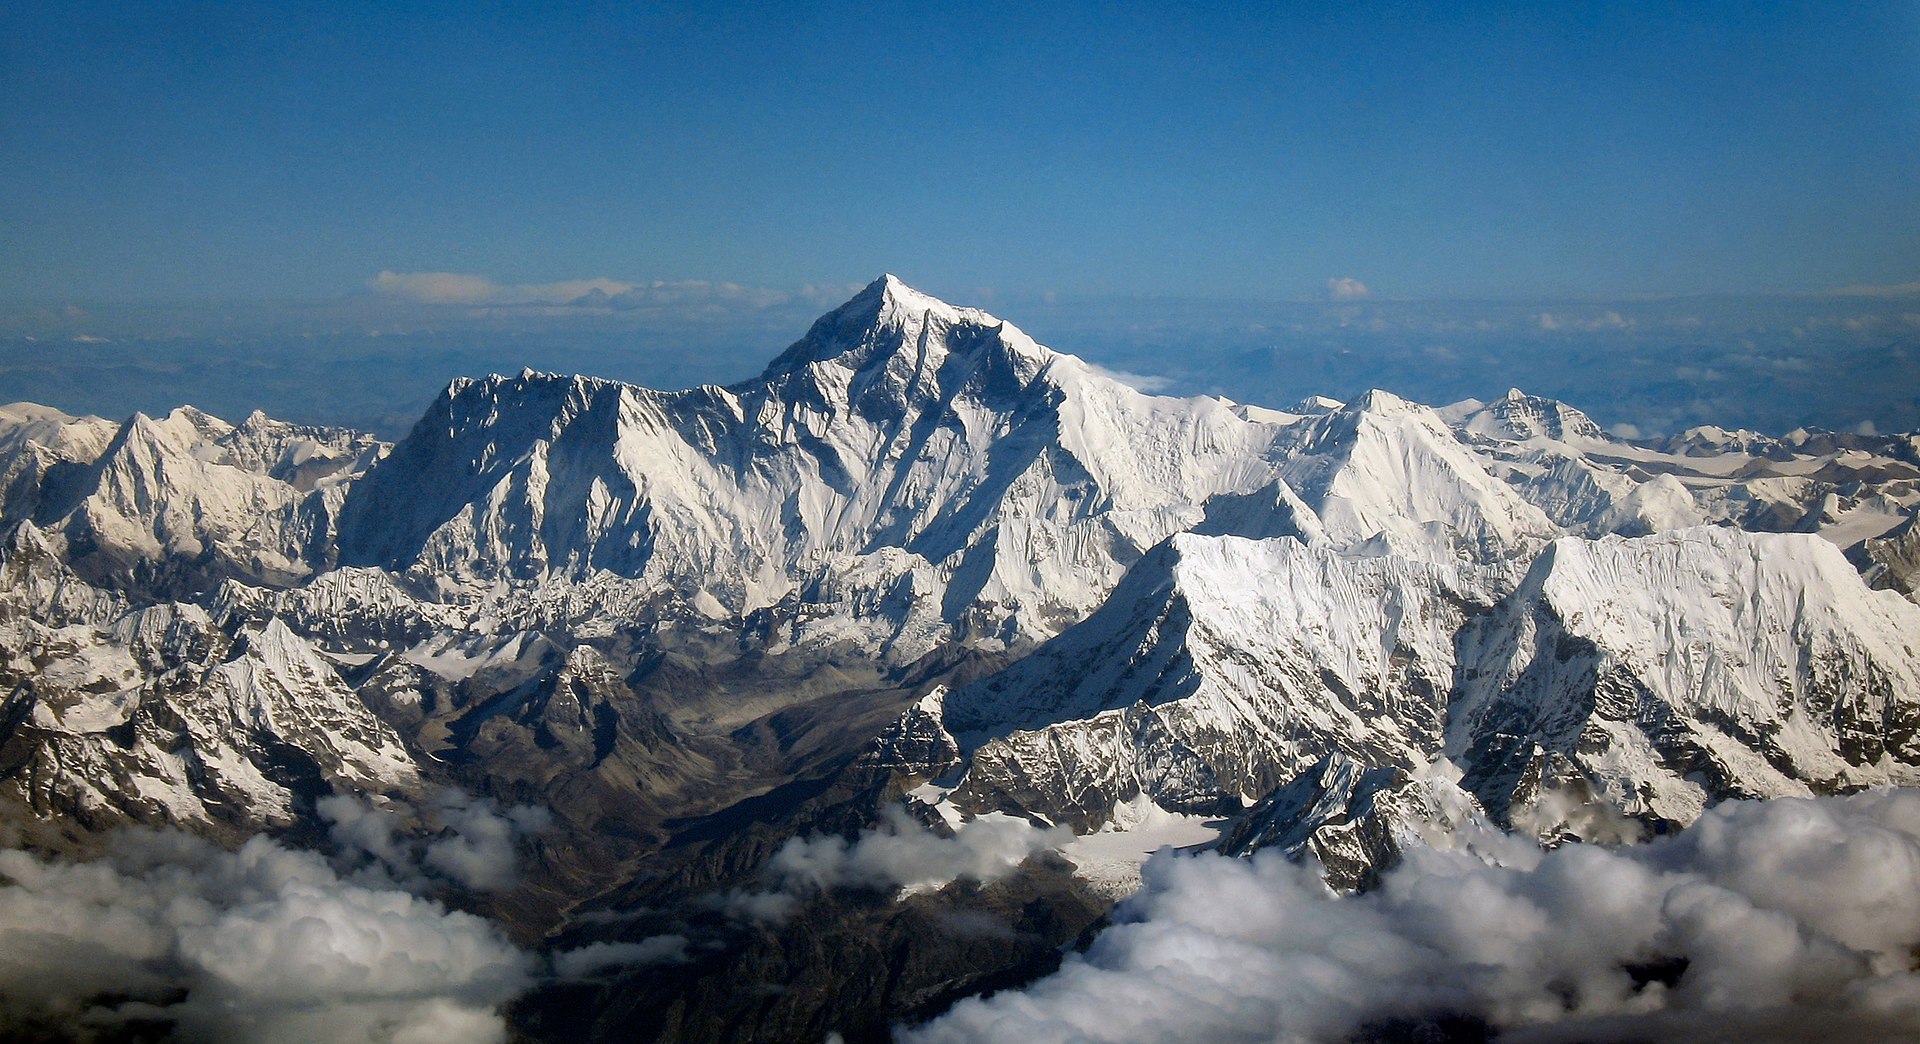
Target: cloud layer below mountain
{"type": "Point", "coordinates": [264, 943]}
{"type": "Point", "coordinates": [270, 943]}
{"type": "Point", "coordinates": [1782, 920]}
{"type": "Point", "coordinates": [900, 854]}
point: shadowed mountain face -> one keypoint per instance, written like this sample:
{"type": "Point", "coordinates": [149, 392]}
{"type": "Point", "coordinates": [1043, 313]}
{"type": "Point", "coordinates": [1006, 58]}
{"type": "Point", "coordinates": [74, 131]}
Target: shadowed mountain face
{"type": "Point", "coordinates": [866, 684]}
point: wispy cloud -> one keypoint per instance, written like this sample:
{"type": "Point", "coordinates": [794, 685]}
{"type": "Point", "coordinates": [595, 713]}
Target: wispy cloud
{"type": "Point", "coordinates": [1151, 384]}
{"type": "Point", "coordinates": [686, 296]}
{"type": "Point", "coordinates": [900, 853]}
{"type": "Point", "coordinates": [1605, 320]}
{"type": "Point", "coordinates": [458, 288]}
{"type": "Point", "coordinates": [1881, 290]}
{"type": "Point", "coordinates": [602, 957]}
{"type": "Point", "coordinates": [456, 837]}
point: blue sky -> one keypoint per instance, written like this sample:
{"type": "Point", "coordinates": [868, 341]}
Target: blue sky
{"type": "Point", "coordinates": [1446, 151]}
{"type": "Point", "coordinates": [1645, 209]}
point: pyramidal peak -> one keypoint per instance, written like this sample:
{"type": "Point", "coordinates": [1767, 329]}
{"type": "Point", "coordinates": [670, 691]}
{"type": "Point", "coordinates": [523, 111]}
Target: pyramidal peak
{"type": "Point", "coordinates": [896, 296]}
{"type": "Point", "coordinates": [1518, 416]}
{"type": "Point", "coordinates": [179, 431]}
{"type": "Point", "coordinates": [890, 318]}
{"type": "Point", "coordinates": [1377, 400]}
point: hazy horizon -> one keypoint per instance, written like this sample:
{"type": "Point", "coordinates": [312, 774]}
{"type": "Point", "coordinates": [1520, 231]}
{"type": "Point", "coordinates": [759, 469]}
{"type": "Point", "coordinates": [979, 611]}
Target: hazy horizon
{"type": "Point", "coordinates": [374, 359]}
{"type": "Point", "coordinates": [1665, 214]}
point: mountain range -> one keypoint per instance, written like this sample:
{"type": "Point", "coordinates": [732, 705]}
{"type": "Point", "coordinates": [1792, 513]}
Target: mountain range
{"type": "Point", "coordinates": [926, 582]}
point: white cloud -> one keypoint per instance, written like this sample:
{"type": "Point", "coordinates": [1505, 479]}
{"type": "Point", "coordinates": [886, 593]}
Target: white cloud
{"type": "Point", "coordinates": [260, 944]}
{"type": "Point", "coordinates": [682, 297]}
{"type": "Point", "coordinates": [761, 907]}
{"type": "Point", "coordinates": [1150, 384]}
{"type": "Point", "coordinates": [1783, 920]}
{"type": "Point", "coordinates": [594, 958]}
{"type": "Point", "coordinates": [900, 853]}
{"type": "Point", "coordinates": [1347, 288]}
{"type": "Point", "coordinates": [479, 844]}
{"type": "Point", "coordinates": [903, 853]}
{"type": "Point", "coordinates": [463, 289]}
{"type": "Point", "coordinates": [436, 287]}
{"type": "Point", "coordinates": [457, 837]}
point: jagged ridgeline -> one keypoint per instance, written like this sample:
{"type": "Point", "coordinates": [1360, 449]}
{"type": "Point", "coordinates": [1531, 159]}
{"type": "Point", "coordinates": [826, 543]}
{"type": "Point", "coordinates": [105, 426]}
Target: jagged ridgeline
{"type": "Point", "coordinates": [924, 563]}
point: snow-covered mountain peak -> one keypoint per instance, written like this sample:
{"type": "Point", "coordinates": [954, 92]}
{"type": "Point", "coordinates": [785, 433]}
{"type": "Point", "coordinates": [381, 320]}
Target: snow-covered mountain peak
{"type": "Point", "coordinates": [190, 425]}
{"type": "Point", "coordinates": [1519, 417]}
{"type": "Point", "coordinates": [1317, 404]}
{"type": "Point", "coordinates": [1695, 569]}
{"type": "Point", "coordinates": [1382, 464]}
{"type": "Point", "coordinates": [66, 436]}
{"type": "Point", "coordinates": [184, 430]}
{"type": "Point", "coordinates": [891, 328]}
{"type": "Point", "coordinates": [901, 434]}
{"type": "Point", "coordinates": [1379, 401]}
{"type": "Point", "coordinates": [896, 295]}
{"type": "Point", "coordinates": [1683, 667]}
{"type": "Point", "coordinates": [1219, 668]}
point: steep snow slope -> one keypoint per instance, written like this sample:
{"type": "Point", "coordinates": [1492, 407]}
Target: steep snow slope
{"type": "Point", "coordinates": [42, 452]}
{"type": "Point", "coordinates": [1219, 668]}
{"type": "Point", "coordinates": [1560, 460]}
{"type": "Point", "coordinates": [66, 436]}
{"type": "Point", "coordinates": [175, 504]}
{"type": "Point", "coordinates": [904, 439]}
{"type": "Point", "coordinates": [1385, 467]}
{"type": "Point", "coordinates": [1657, 674]}
{"type": "Point", "coordinates": [153, 501]}
{"type": "Point", "coordinates": [158, 716]}
{"type": "Point", "coordinates": [1683, 668]}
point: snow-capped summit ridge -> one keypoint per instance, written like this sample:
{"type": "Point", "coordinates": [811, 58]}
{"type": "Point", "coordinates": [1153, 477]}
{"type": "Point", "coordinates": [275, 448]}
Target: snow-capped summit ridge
{"type": "Point", "coordinates": [892, 326]}
{"type": "Point", "coordinates": [1380, 401]}
{"type": "Point", "coordinates": [898, 295]}
{"type": "Point", "coordinates": [1679, 668]}
{"type": "Point", "coordinates": [1519, 417]}
{"type": "Point", "coordinates": [1219, 668]}
{"type": "Point", "coordinates": [901, 437]}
